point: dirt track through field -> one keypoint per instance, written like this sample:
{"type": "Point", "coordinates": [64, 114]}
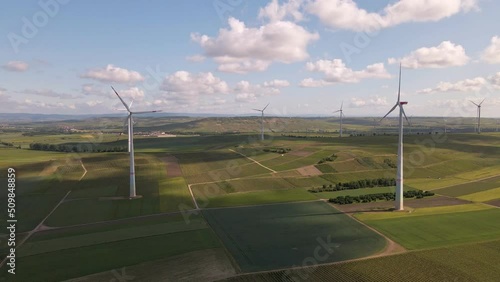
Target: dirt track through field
{"type": "Point", "coordinates": [272, 170]}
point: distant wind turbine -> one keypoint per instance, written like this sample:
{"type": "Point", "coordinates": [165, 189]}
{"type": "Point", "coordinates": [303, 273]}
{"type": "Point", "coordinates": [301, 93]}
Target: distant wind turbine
{"type": "Point", "coordinates": [341, 116]}
{"type": "Point", "coordinates": [262, 121]}
{"type": "Point", "coordinates": [478, 115]}
{"type": "Point", "coordinates": [399, 173]}
{"type": "Point", "coordinates": [132, 191]}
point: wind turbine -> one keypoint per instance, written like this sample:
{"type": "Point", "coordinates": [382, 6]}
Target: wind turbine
{"type": "Point", "coordinates": [478, 115]}
{"type": "Point", "coordinates": [399, 173]}
{"type": "Point", "coordinates": [262, 121]}
{"type": "Point", "coordinates": [341, 116]}
{"type": "Point", "coordinates": [132, 193]}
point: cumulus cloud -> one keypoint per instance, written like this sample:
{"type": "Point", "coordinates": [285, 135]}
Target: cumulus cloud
{"type": "Point", "coordinates": [310, 82]}
{"type": "Point", "coordinates": [277, 83]}
{"type": "Point", "coordinates": [48, 105]}
{"type": "Point", "coordinates": [189, 84]}
{"type": "Point", "coordinates": [276, 12]}
{"type": "Point", "coordinates": [242, 49]}
{"type": "Point", "coordinates": [495, 80]}
{"type": "Point", "coordinates": [201, 89]}
{"type": "Point", "coordinates": [491, 54]}
{"type": "Point", "coordinates": [16, 66]}
{"type": "Point", "coordinates": [247, 92]}
{"type": "Point", "coordinates": [335, 71]}
{"type": "Point", "coordinates": [466, 85]}
{"type": "Point", "coordinates": [133, 93]}
{"type": "Point", "coordinates": [47, 93]}
{"type": "Point", "coordinates": [115, 74]}
{"type": "Point", "coordinates": [345, 14]}
{"type": "Point", "coordinates": [196, 58]}
{"type": "Point", "coordinates": [446, 54]}
{"type": "Point", "coordinates": [371, 101]}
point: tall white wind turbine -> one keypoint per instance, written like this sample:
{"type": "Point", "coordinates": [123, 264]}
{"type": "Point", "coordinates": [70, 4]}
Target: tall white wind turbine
{"type": "Point", "coordinates": [399, 173]}
{"type": "Point", "coordinates": [262, 121]}
{"type": "Point", "coordinates": [341, 116]}
{"type": "Point", "coordinates": [132, 191]}
{"type": "Point", "coordinates": [478, 115]}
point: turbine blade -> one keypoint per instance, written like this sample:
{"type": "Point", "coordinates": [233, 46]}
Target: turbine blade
{"type": "Point", "coordinates": [336, 111]}
{"type": "Point", "coordinates": [399, 87]}
{"type": "Point", "coordinates": [266, 106]}
{"type": "Point", "coordinates": [123, 102]}
{"type": "Point", "coordinates": [145, 112]}
{"type": "Point", "coordinates": [390, 111]}
{"type": "Point", "coordinates": [474, 103]}
{"type": "Point", "coordinates": [341, 105]}
{"type": "Point", "coordinates": [482, 101]}
{"type": "Point", "coordinates": [403, 110]}
{"type": "Point", "coordinates": [130, 106]}
{"type": "Point", "coordinates": [257, 110]}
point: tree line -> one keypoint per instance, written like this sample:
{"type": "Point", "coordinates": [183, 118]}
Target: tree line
{"type": "Point", "coordinates": [363, 183]}
{"type": "Point", "coordinates": [277, 150]}
{"type": "Point", "coordinates": [345, 200]}
{"type": "Point", "coordinates": [75, 148]}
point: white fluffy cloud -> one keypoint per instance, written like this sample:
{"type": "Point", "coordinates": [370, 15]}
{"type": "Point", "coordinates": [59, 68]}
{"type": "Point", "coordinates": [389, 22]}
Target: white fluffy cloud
{"type": "Point", "coordinates": [242, 49]}
{"type": "Point", "coordinates": [277, 83]}
{"type": "Point", "coordinates": [193, 84]}
{"type": "Point", "coordinates": [345, 14]}
{"type": "Point", "coordinates": [47, 93]}
{"type": "Point", "coordinates": [247, 92]}
{"type": "Point", "coordinates": [276, 12]}
{"type": "Point", "coordinates": [371, 101]}
{"type": "Point", "coordinates": [115, 74]}
{"type": "Point", "coordinates": [133, 93]}
{"type": "Point", "coordinates": [466, 85]}
{"type": "Point", "coordinates": [495, 80]}
{"type": "Point", "coordinates": [335, 71]}
{"type": "Point", "coordinates": [446, 54]}
{"type": "Point", "coordinates": [17, 66]}
{"type": "Point", "coordinates": [201, 89]}
{"type": "Point", "coordinates": [491, 54]}
{"type": "Point", "coordinates": [196, 58]}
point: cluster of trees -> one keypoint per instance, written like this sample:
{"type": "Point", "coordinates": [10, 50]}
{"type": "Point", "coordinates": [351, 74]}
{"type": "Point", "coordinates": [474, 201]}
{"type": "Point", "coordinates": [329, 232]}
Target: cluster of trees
{"type": "Point", "coordinates": [345, 200]}
{"type": "Point", "coordinates": [11, 145]}
{"type": "Point", "coordinates": [390, 163]}
{"type": "Point", "coordinates": [76, 148]}
{"type": "Point", "coordinates": [363, 183]}
{"type": "Point", "coordinates": [7, 144]}
{"type": "Point", "coordinates": [419, 194]}
{"type": "Point", "coordinates": [277, 150]}
{"type": "Point", "coordinates": [328, 159]}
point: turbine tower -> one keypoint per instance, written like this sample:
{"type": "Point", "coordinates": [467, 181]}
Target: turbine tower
{"type": "Point", "coordinates": [399, 173]}
{"type": "Point", "coordinates": [262, 121]}
{"type": "Point", "coordinates": [341, 116]}
{"type": "Point", "coordinates": [478, 115]}
{"type": "Point", "coordinates": [132, 191]}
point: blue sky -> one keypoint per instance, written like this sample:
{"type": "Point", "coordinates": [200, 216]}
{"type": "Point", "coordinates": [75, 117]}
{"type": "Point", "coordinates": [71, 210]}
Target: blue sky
{"type": "Point", "coordinates": [229, 56]}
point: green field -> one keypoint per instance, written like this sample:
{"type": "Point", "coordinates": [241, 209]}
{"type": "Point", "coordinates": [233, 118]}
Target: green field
{"type": "Point", "coordinates": [431, 231]}
{"type": "Point", "coordinates": [471, 262]}
{"type": "Point", "coordinates": [483, 196]}
{"type": "Point", "coordinates": [111, 255]}
{"type": "Point", "coordinates": [257, 197]}
{"type": "Point", "coordinates": [284, 235]}
{"type": "Point", "coordinates": [470, 187]}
